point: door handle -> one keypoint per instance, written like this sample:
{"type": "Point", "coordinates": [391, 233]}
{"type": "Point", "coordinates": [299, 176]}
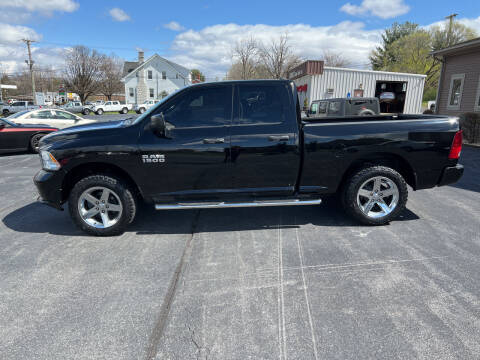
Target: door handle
{"type": "Point", "coordinates": [214, 141]}
{"type": "Point", "coordinates": [279, 138]}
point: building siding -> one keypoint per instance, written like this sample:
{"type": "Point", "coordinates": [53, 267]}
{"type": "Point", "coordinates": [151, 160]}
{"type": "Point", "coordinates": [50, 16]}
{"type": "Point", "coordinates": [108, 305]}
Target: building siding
{"type": "Point", "coordinates": [468, 64]}
{"type": "Point", "coordinates": [344, 81]}
{"type": "Point", "coordinates": [159, 85]}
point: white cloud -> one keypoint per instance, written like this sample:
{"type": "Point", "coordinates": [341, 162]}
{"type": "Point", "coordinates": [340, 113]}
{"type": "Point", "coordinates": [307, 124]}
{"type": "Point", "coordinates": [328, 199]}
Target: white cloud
{"type": "Point", "coordinates": [118, 14]}
{"type": "Point", "coordinates": [210, 49]}
{"type": "Point", "coordinates": [13, 52]}
{"type": "Point", "coordinates": [12, 34]}
{"type": "Point", "coordinates": [384, 9]}
{"type": "Point", "coordinates": [41, 6]}
{"type": "Point", "coordinates": [20, 11]}
{"type": "Point", "coordinates": [173, 25]}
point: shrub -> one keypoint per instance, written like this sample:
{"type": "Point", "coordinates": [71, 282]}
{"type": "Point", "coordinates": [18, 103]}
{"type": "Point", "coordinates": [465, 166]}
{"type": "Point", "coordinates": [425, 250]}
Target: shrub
{"type": "Point", "coordinates": [470, 124]}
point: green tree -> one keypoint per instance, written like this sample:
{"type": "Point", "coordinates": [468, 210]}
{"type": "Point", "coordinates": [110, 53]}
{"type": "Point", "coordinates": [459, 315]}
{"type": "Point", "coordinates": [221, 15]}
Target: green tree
{"type": "Point", "coordinates": [197, 75]}
{"type": "Point", "coordinates": [412, 55]}
{"type": "Point", "coordinates": [407, 48]}
{"type": "Point", "coordinates": [443, 36]}
{"type": "Point", "coordinates": [382, 55]}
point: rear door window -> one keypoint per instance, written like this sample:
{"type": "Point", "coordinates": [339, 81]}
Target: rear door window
{"type": "Point", "coordinates": [64, 115]}
{"type": "Point", "coordinates": [262, 104]}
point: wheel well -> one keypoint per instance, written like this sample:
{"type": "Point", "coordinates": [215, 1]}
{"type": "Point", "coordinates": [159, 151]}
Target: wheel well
{"type": "Point", "coordinates": [393, 161]}
{"type": "Point", "coordinates": [84, 170]}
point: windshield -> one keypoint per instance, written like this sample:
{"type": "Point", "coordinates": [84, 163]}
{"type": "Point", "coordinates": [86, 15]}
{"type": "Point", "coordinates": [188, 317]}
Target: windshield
{"type": "Point", "coordinates": [152, 109]}
{"type": "Point", "coordinates": [18, 114]}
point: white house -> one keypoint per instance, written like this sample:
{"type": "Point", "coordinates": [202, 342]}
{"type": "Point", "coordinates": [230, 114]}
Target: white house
{"type": "Point", "coordinates": [152, 79]}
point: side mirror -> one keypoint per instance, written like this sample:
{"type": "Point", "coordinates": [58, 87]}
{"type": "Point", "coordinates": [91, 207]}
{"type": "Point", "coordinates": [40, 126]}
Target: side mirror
{"type": "Point", "coordinates": [158, 125]}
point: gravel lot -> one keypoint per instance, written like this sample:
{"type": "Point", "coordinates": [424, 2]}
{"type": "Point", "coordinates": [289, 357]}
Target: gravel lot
{"type": "Point", "coordinates": [269, 283]}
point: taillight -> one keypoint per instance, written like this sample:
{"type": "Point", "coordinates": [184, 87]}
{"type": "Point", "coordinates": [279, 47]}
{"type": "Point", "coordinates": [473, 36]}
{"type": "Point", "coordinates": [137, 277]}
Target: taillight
{"type": "Point", "coordinates": [456, 148]}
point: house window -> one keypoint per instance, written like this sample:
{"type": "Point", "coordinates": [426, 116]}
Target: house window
{"type": "Point", "coordinates": [149, 75]}
{"type": "Point", "coordinates": [455, 93]}
{"type": "Point", "coordinates": [152, 93]}
{"type": "Point", "coordinates": [131, 92]}
{"type": "Point", "coordinates": [477, 99]}
{"type": "Point", "coordinates": [164, 75]}
{"type": "Point", "coordinates": [176, 76]}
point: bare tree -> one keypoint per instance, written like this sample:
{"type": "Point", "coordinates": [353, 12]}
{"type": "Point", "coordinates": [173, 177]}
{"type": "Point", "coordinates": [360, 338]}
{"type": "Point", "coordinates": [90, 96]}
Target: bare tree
{"type": "Point", "coordinates": [82, 71]}
{"type": "Point", "coordinates": [245, 52]}
{"type": "Point", "coordinates": [335, 59]}
{"type": "Point", "coordinates": [111, 71]}
{"type": "Point", "coordinates": [278, 58]}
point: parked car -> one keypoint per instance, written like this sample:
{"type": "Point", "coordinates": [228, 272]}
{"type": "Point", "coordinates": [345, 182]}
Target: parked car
{"type": "Point", "coordinates": [115, 106]}
{"type": "Point", "coordinates": [238, 144]}
{"type": "Point", "coordinates": [15, 137]}
{"type": "Point", "coordinates": [57, 118]}
{"type": "Point", "coordinates": [87, 107]}
{"type": "Point", "coordinates": [73, 106]}
{"type": "Point", "coordinates": [344, 107]}
{"type": "Point", "coordinates": [141, 108]}
{"type": "Point", "coordinates": [18, 106]}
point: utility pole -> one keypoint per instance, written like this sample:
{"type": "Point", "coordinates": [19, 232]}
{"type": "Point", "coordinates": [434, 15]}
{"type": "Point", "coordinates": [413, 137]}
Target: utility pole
{"type": "Point", "coordinates": [30, 65]}
{"type": "Point", "coordinates": [450, 27]}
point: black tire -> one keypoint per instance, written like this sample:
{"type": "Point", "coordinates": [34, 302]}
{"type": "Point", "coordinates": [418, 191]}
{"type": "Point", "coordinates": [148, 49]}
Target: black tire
{"type": "Point", "coordinates": [120, 188]}
{"type": "Point", "coordinates": [99, 112]}
{"type": "Point", "coordinates": [124, 110]}
{"type": "Point", "coordinates": [34, 140]}
{"type": "Point", "coordinates": [141, 110]}
{"type": "Point", "coordinates": [366, 113]}
{"type": "Point", "coordinates": [5, 112]}
{"type": "Point", "coordinates": [352, 187]}
{"type": "Point", "coordinates": [86, 111]}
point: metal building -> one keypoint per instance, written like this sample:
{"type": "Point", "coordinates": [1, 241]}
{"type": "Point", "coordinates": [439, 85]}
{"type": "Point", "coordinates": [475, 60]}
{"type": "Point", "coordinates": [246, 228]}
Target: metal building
{"type": "Point", "coordinates": [398, 92]}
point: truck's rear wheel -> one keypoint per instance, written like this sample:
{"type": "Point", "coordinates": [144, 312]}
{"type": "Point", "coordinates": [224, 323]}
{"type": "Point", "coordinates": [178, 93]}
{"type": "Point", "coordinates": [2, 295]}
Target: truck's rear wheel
{"type": "Point", "coordinates": [124, 110]}
{"type": "Point", "coordinates": [375, 195]}
{"type": "Point", "coordinates": [102, 205]}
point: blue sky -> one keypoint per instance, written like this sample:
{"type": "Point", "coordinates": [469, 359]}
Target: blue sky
{"type": "Point", "coordinates": [202, 33]}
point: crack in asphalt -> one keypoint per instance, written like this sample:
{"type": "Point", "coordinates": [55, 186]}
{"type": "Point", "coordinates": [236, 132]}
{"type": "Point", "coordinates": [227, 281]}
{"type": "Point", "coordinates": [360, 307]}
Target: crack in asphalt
{"type": "Point", "coordinates": [162, 319]}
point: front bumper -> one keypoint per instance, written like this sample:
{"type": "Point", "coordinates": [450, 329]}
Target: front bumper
{"type": "Point", "coordinates": [451, 175]}
{"type": "Point", "coordinates": [49, 185]}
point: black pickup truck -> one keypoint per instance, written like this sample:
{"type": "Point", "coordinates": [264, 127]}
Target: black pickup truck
{"type": "Point", "coordinates": [243, 143]}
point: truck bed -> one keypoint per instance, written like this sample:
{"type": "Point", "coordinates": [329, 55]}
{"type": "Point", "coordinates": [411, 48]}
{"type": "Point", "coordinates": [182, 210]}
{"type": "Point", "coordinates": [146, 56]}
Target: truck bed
{"type": "Point", "coordinates": [420, 143]}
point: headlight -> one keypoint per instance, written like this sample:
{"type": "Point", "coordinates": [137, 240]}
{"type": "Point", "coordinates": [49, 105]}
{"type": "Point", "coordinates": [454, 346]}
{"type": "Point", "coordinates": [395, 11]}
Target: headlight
{"type": "Point", "coordinates": [48, 161]}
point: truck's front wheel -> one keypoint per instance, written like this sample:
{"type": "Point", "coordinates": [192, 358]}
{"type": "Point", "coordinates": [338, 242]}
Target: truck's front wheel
{"type": "Point", "coordinates": [102, 205]}
{"type": "Point", "coordinates": [375, 195]}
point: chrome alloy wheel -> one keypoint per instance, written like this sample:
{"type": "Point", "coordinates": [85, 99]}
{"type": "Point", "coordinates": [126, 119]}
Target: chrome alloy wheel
{"type": "Point", "coordinates": [100, 207]}
{"type": "Point", "coordinates": [378, 197]}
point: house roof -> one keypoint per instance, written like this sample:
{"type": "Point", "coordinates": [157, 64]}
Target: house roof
{"type": "Point", "coordinates": [129, 66]}
{"type": "Point", "coordinates": [466, 45]}
{"type": "Point", "coordinates": [184, 72]}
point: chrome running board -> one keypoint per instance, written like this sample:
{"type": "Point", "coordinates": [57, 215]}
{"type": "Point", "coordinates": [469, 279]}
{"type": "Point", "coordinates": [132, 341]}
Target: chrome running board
{"type": "Point", "coordinates": [216, 205]}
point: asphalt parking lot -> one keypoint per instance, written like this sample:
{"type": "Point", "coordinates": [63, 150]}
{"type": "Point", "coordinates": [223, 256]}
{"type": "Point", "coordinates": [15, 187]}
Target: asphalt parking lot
{"type": "Point", "coordinates": [269, 283]}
